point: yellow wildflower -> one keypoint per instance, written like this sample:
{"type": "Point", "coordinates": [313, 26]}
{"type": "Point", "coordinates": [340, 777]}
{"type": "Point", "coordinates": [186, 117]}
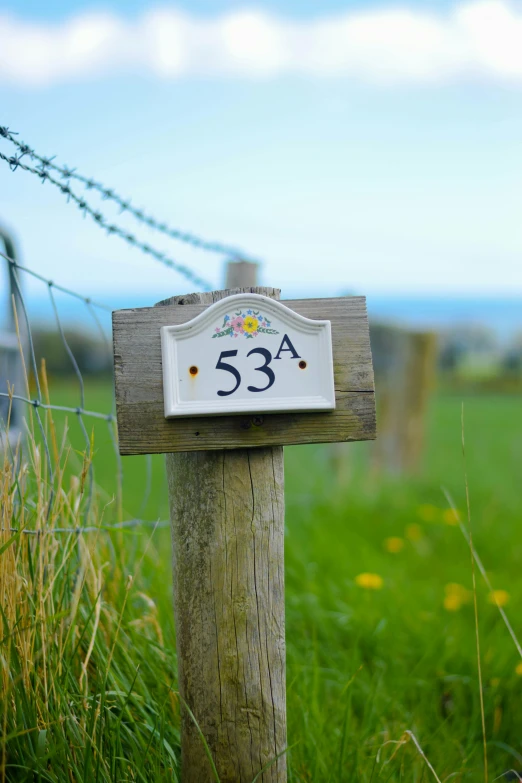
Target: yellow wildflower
{"type": "Point", "coordinates": [452, 603]}
{"type": "Point", "coordinates": [250, 324]}
{"type": "Point", "coordinates": [518, 669]}
{"type": "Point", "coordinates": [369, 581]}
{"type": "Point", "coordinates": [498, 597]}
{"type": "Point", "coordinates": [455, 596]}
{"type": "Point", "coordinates": [450, 516]}
{"type": "Point", "coordinates": [427, 513]}
{"type": "Point", "coordinates": [413, 532]}
{"type": "Point", "coordinates": [495, 682]}
{"type": "Point", "coordinates": [394, 544]}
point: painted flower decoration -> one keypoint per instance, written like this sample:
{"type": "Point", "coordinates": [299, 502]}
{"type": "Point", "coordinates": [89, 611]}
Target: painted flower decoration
{"type": "Point", "coordinates": [237, 323]}
{"type": "Point", "coordinates": [249, 324]}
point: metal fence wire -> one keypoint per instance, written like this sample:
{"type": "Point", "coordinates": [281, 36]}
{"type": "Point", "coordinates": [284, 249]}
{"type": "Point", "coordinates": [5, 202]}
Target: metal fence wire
{"type": "Point", "coordinates": [61, 177]}
{"type": "Point", "coordinates": [18, 342]}
{"type": "Point", "coordinates": [17, 346]}
{"type": "Point", "coordinates": [18, 358]}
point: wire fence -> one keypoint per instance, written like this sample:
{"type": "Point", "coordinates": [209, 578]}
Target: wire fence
{"type": "Point", "coordinates": [111, 228]}
{"type": "Point", "coordinates": [46, 170]}
{"type": "Point", "coordinates": [47, 165]}
{"type": "Point", "coordinates": [19, 341]}
{"type": "Point", "coordinates": [24, 346]}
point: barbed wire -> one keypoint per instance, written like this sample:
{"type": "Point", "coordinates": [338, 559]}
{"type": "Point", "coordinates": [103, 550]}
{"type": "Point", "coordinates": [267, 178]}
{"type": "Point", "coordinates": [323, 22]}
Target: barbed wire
{"type": "Point", "coordinates": [46, 170]}
{"type": "Point", "coordinates": [15, 162]}
{"type": "Point", "coordinates": [47, 164]}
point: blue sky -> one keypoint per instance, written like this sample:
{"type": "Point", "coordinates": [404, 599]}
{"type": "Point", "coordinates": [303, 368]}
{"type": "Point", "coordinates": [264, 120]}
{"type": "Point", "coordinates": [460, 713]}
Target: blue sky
{"type": "Point", "coordinates": [384, 161]}
{"type": "Point", "coordinates": [58, 9]}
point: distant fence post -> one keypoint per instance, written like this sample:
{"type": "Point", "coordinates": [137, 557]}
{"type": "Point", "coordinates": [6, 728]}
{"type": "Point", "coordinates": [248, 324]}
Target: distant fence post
{"type": "Point", "coordinates": [405, 364]}
{"type": "Point", "coordinates": [11, 368]}
{"type": "Point", "coordinates": [241, 274]}
{"type": "Point", "coordinates": [227, 513]}
{"type": "Point", "coordinates": [420, 377]}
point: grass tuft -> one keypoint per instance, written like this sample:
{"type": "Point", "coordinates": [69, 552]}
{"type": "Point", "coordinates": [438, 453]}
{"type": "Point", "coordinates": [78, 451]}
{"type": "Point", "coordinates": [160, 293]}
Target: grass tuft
{"type": "Point", "coordinates": [87, 680]}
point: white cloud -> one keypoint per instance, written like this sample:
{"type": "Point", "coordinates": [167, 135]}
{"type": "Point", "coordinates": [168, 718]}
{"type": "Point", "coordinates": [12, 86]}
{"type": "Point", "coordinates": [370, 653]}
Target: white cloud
{"type": "Point", "coordinates": [477, 39]}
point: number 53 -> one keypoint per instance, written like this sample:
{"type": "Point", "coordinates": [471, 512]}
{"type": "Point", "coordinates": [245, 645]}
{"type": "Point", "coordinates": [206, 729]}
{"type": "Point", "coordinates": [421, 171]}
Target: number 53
{"type": "Point", "coordinates": [264, 352]}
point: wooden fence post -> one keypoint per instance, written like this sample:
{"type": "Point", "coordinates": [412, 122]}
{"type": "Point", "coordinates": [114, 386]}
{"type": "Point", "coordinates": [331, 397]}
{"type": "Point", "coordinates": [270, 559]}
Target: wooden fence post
{"type": "Point", "coordinates": [225, 473]}
{"type": "Point", "coordinates": [227, 512]}
{"type": "Point", "coordinates": [241, 274]}
{"type": "Point", "coordinates": [11, 366]}
{"type": "Point", "coordinates": [388, 352]}
{"type": "Point", "coordinates": [405, 365]}
{"type": "Point", "coordinates": [420, 375]}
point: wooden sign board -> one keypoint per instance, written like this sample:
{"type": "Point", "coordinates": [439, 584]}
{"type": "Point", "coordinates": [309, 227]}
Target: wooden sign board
{"type": "Point", "coordinates": [141, 404]}
{"type": "Point", "coordinates": [247, 354]}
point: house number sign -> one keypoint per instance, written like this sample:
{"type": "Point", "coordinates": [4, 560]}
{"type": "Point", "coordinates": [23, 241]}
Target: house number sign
{"type": "Point", "coordinates": [247, 354]}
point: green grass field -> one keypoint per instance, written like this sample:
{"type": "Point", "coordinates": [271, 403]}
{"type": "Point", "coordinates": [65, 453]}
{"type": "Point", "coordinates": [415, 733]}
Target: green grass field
{"type": "Point", "coordinates": [369, 657]}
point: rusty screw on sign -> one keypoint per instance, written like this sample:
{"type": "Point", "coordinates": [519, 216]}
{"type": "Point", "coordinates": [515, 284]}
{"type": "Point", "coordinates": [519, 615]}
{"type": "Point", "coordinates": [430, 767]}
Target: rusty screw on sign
{"type": "Point", "coordinates": [302, 365]}
{"type": "Point", "coordinates": [193, 370]}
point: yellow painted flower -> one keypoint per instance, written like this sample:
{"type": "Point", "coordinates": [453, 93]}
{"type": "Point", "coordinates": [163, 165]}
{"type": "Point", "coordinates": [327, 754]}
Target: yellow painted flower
{"type": "Point", "coordinates": [394, 544]}
{"type": "Point", "coordinates": [427, 513]}
{"type": "Point", "coordinates": [369, 581]}
{"type": "Point", "coordinates": [250, 324]}
{"type": "Point", "coordinates": [518, 669]}
{"type": "Point", "coordinates": [450, 516]}
{"type": "Point", "coordinates": [498, 597]}
{"type": "Point", "coordinates": [413, 532]}
{"type": "Point", "coordinates": [455, 596]}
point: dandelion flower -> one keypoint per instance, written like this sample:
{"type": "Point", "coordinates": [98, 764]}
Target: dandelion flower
{"type": "Point", "coordinates": [498, 597]}
{"type": "Point", "coordinates": [369, 581]}
{"type": "Point", "coordinates": [452, 603]}
{"type": "Point", "coordinates": [450, 516]}
{"type": "Point", "coordinates": [455, 596]}
{"type": "Point", "coordinates": [518, 669]}
{"type": "Point", "coordinates": [394, 544]}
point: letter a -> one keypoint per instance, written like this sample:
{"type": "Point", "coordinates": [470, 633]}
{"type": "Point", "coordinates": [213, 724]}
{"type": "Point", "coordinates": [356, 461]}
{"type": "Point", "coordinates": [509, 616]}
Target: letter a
{"type": "Point", "coordinates": [290, 348]}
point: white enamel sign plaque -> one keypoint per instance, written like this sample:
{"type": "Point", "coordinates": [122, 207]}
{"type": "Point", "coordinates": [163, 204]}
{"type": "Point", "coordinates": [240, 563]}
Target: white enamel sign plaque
{"type": "Point", "coordinates": [247, 354]}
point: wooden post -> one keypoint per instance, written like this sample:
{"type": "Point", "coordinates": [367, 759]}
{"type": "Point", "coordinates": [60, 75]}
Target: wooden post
{"type": "Point", "coordinates": [241, 274]}
{"type": "Point", "coordinates": [420, 373]}
{"type": "Point", "coordinates": [227, 512]}
{"type": "Point", "coordinates": [388, 352]}
{"type": "Point", "coordinates": [225, 474]}
{"type": "Point", "coordinates": [11, 365]}
{"type": "Point", "coordinates": [405, 368]}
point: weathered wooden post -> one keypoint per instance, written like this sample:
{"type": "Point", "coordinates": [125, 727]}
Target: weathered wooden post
{"type": "Point", "coordinates": [241, 274]}
{"type": "Point", "coordinates": [220, 382]}
{"type": "Point", "coordinates": [420, 376]}
{"type": "Point", "coordinates": [405, 364]}
{"type": "Point", "coordinates": [227, 512]}
{"type": "Point", "coordinates": [11, 366]}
